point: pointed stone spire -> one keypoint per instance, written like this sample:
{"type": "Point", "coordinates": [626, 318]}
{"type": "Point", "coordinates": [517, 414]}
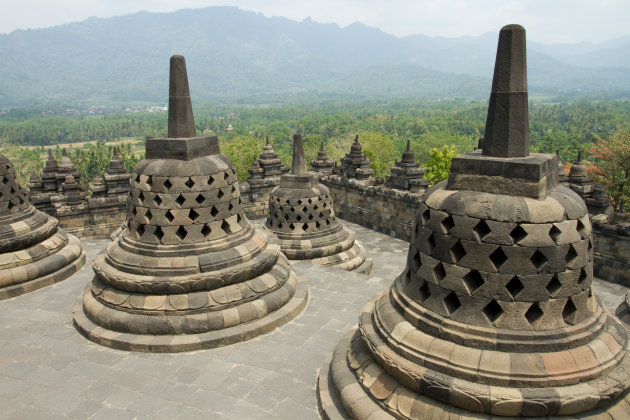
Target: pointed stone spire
{"type": "Point", "coordinates": [181, 122]}
{"type": "Point", "coordinates": [298, 166]}
{"type": "Point", "coordinates": [408, 155]}
{"type": "Point", "coordinates": [507, 125]}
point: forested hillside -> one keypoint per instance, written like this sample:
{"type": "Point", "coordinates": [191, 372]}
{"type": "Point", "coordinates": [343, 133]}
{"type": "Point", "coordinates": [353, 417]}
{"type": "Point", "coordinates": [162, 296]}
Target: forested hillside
{"type": "Point", "coordinates": [236, 56]}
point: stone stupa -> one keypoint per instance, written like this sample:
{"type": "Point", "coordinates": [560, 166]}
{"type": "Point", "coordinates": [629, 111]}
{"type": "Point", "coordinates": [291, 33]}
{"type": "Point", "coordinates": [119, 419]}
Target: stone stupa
{"type": "Point", "coordinates": [407, 174]}
{"type": "Point", "coordinates": [494, 314]}
{"type": "Point", "coordinates": [34, 252]}
{"type": "Point", "coordinates": [301, 215]}
{"type": "Point", "coordinates": [189, 271]}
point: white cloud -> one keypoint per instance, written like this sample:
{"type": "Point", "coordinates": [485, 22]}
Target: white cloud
{"type": "Point", "coordinates": [547, 21]}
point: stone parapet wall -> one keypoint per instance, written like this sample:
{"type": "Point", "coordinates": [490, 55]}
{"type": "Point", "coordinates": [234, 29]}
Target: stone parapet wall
{"type": "Point", "coordinates": [376, 207]}
{"type": "Point", "coordinates": [93, 222]}
{"type": "Point", "coordinates": [255, 201]}
{"type": "Point", "coordinates": [612, 253]}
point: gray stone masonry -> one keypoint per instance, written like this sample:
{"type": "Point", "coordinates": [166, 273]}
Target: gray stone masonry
{"type": "Point", "coordinates": [48, 371]}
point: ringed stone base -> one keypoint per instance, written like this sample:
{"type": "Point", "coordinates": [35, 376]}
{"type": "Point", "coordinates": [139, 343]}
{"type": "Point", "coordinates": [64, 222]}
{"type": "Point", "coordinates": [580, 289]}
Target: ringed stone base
{"type": "Point", "coordinates": [44, 272]}
{"type": "Point", "coordinates": [355, 385]}
{"type": "Point", "coordinates": [189, 342]}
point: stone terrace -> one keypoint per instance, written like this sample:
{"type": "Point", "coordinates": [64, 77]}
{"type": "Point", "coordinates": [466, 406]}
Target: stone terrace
{"type": "Point", "coordinates": [48, 370]}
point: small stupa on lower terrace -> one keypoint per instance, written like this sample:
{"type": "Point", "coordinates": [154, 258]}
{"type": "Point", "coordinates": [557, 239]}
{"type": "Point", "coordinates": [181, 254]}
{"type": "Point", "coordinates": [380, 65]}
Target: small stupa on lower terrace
{"type": "Point", "coordinates": [189, 270]}
{"type": "Point", "coordinates": [302, 216]}
{"type": "Point", "coordinates": [494, 314]}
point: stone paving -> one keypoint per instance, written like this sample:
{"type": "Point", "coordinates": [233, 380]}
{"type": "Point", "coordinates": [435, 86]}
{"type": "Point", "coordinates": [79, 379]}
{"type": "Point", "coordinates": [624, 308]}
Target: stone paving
{"type": "Point", "coordinates": [48, 370]}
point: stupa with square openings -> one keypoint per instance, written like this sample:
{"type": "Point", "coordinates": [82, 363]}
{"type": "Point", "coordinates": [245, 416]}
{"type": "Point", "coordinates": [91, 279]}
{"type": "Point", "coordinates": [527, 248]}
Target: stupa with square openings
{"type": "Point", "coordinates": [189, 270]}
{"type": "Point", "coordinates": [494, 314]}
{"type": "Point", "coordinates": [301, 215]}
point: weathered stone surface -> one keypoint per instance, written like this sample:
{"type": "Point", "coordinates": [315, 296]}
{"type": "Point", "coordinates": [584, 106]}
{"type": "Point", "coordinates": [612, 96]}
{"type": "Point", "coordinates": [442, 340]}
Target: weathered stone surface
{"type": "Point", "coordinates": [33, 252]}
{"type": "Point", "coordinates": [407, 174]}
{"type": "Point", "coordinates": [495, 306]}
{"type": "Point", "coordinates": [302, 217]}
{"type": "Point", "coordinates": [355, 164]}
{"type": "Point", "coordinates": [188, 271]}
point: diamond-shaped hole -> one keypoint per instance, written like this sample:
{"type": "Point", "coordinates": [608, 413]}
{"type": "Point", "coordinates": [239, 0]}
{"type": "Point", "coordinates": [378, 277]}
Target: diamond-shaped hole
{"type": "Point", "coordinates": [518, 234]}
{"type": "Point", "coordinates": [298, 218]}
{"type": "Point", "coordinates": [439, 272]}
{"type": "Point", "coordinates": [482, 229]}
{"type": "Point", "coordinates": [10, 205]}
{"type": "Point", "coordinates": [538, 259]}
{"type": "Point", "coordinates": [159, 234]}
{"type": "Point", "coordinates": [157, 200]}
{"type": "Point", "coordinates": [473, 281]}
{"type": "Point", "coordinates": [571, 254]}
{"type": "Point", "coordinates": [141, 197]}
{"type": "Point", "coordinates": [417, 261]}
{"type": "Point", "coordinates": [149, 180]}
{"type": "Point", "coordinates": [200, 199]}
{"type": "Point", "coordinates": [554, 233]}
{"type": "Point", "coordinates": [426, 215]}
{"type": "Point", "coordinates": [205, 231]}
{"type": "Point", "coordinates": [514, 287]}
{"type": "Point", "coordinates": [569, 312]}
{"type": "Point", "coordinates": [230, 207]}
{"type": "Point", "coordinates": [583, 276]}
{"type": "Point", "coordinates": [310, 217]}
{"type": "Point", "coordinates": [452, 303]}
{"type": "Point", "coordinates": [317, 225]}
{"type": "Point", "coordinates": [148, 215]}
{"type": "Point", "coordinates": [448, 223]}
{"type": "Point", "coordinates": [225, 226]}
{"type": "Point", "coordinates": [431, 243]}
{"type": "Point", "coordinates": [286, 217]}
{"type": "Point", "coordinates": [167, 184]}
{"type": "Point", "coordinates": [280, 225]}
{"type": "Point", "coordinates": [134, 211]}
{"type": "Point", "coordinates": [169, 216]}
{"type": "Point", "coordinates": [238, 218]}
{"type": "Point", "coordinates": [424, 292]}
{"type": "Point", "coordinates": [210, 180]}
{"type": "Point", "coordinates": [457, 251]}
{"type": "Point", "coordinates": [214, 211]}
{"type": "Point", "coordinates": [580, 227]}
{"type": "Point", "coordinates": [180, 200]}
{"type": "Point", "coordinates": [292, 226]}
{"type": "Point", "coordinates": [315, 207]}
{"type": "Point", "coordinates": [193, 215]}
{"type": "Point", "coordinates": [189, 183]}
{"type": "Point", "coordinates": [226, 175]}
{"type": "Point", "coordinates": [220, 194]}
{"type": "Point", "coordinates": [181, 233]}
{"type": "Point", "coordinates": [534, 313]}
{"type": "Point", "coordinates": [554, 285]}
{"type": "Point", "coordinates": [492, 310]}
{"type": "Point", "coordinates": [299, 202]}
{"type": "Point", "coordinates": [305, 227]}
{"type": "Point", "coordinates": [140, 230]}
{"type": "Point", "coordinates": [498, 258]}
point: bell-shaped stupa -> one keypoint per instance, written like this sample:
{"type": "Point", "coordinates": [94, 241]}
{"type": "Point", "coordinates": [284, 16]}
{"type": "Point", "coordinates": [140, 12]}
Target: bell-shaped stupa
{"type": "Point", "coordinates": [34, 252]}
{"type": "Point", "coordinates": [301, 215]}
{"type": "Point", "coordinates": [189, 270]}
{"type": "Point", "coordinates": [494, 314]}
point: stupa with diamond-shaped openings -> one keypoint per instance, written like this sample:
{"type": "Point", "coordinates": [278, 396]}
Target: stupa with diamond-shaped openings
{"type": "Point", "coordinates": [301, 215]}
{"type": "Point", "coordinates": [189, 270]}
{"type": "Point", "coordinates": [494, 314]}
{"type": "Point", "coordinates": [34, 252]}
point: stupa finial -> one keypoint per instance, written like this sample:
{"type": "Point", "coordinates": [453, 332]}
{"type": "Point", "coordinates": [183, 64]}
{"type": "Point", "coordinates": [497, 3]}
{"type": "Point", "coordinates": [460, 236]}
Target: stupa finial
{"type": "Point", "coordinates": [298, 166]}
{"type": "Point", "coordinates": [507, 124]}
{"type": "Point", "coordinates": [181, 122]}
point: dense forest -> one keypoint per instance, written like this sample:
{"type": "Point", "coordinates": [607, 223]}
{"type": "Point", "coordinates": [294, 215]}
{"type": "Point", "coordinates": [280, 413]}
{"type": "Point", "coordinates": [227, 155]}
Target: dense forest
{"type": "Point", "coordinates": [383, 129]}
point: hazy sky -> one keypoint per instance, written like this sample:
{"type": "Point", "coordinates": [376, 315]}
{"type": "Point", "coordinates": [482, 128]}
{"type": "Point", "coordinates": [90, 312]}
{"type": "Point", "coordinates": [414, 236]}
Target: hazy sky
{"type": "Point", "coordinates": [546, 21]}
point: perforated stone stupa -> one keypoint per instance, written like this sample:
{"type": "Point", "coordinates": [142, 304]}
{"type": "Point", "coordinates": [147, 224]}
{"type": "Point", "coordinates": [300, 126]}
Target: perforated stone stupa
{"type": "Point", "coordinates": [189, 270]}
{"type": "Point", "coordinates": [301, 215]}
{"type": "Point", "coordinates": [33, 252]}
{"type": "Point", "coordinates": [494, 313]}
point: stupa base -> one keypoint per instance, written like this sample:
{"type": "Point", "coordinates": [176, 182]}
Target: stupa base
{"type": "Point", "coordinates": [190, 342]}
{"type": "Point", "coordinates": [39, 274]}
{"type": "Point", "coordinates": [355, 383]}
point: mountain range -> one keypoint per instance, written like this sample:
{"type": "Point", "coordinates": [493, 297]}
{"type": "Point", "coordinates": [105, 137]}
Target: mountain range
{"type": "Point", "coordinates": [236, 56]}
